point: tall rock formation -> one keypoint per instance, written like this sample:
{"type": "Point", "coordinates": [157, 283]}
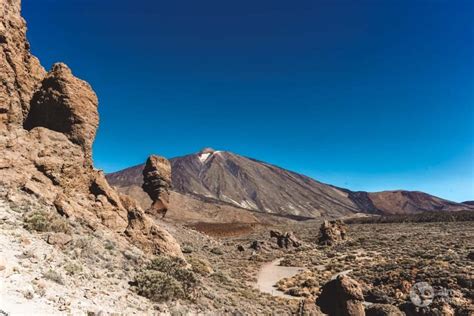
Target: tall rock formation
{"type": "Point", "coordinates": [48, 123]}
{"type": "Point", "coordinates": [20, 72]}
{"type": "Point", "coordinates": [157, 183]}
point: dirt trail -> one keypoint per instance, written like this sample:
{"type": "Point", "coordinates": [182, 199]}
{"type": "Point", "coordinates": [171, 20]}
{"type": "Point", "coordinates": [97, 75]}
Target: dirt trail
{"type": "Point", "coordinates": [270, 273]}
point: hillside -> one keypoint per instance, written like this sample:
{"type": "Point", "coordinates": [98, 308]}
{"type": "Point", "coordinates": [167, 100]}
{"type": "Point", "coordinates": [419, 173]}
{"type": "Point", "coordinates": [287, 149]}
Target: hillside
{"type": "Point", "coordinates": [255, 185]}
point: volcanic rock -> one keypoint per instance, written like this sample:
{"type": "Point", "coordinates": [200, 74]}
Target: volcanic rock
{"type": "Point", "coordinates": [59, 239]}
{"type": "Point", "coordinates": [256, 245]}
{"type": "Point", "coordinates": [383, 310]}
{"type": "Point", "coordinates": [285, 240]}
{"type": "Point", "coordinates": [48, 123]}
{"type": "Point", "coordinates": [65, 104]}
{"type": "Point", "coordinates": [341, 296]}
{"type": "Point", "coordinates": [332, 232]}
{"type": "Point", "coordinates": [20, 71]}
{"type": "Point", "coordinates": [151, 237]}
{"type": "Point", "coordinates": [157, 183]}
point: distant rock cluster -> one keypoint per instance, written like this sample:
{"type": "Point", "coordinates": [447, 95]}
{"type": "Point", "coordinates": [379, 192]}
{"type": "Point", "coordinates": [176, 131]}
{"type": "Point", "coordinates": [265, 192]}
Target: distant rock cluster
{"type": "Point", "coordinates": [332, 232]}
{"type": "Point", "coordinates": [285, 240]}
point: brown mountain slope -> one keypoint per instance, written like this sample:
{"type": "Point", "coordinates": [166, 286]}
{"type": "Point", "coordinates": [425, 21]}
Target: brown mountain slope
{"type": "Point", "coordinates": [255, 185]}
{"type": "Point", "coordinates": [408, 202]}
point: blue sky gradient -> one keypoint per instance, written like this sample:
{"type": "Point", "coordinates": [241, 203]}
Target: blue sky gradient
{"type": "Point", "coordinates": [368, 95]}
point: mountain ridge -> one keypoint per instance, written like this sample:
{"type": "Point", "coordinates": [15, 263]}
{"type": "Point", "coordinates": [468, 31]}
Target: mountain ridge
{"type": "Point", "coordinates": [257, 185]}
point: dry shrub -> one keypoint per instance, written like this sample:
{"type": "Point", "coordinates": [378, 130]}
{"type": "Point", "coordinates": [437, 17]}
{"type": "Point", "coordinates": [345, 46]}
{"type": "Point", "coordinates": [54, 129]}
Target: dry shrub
{"type": "Point", "coordinates": [44, 221]}
{"type": "Point", "coordinates": [166, 279]}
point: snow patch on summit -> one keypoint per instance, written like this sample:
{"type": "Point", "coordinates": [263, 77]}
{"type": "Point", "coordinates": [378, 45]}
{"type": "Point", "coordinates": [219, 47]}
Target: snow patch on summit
{"type": "Point", "coordinates": [204, 157]}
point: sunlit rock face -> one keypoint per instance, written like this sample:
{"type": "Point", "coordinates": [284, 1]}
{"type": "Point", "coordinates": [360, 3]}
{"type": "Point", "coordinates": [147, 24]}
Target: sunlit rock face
{"type": "Point", "coordinates": [48, 123]}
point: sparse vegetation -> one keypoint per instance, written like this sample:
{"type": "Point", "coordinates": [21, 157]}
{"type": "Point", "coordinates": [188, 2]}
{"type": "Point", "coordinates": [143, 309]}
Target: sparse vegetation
{"type": "Point", "coordinates": [158, 286]}
{"type": "Point", "coordinates": [217, 251]}
{"type": "Point", "coordinates": [166, 279]}
{"type": "Point", "coordinates": [44, 221]}
{"type": "Point", "coordinates": [72, 268]}
{"type": "Point", "coordinates": [109, 245]}
{"type": "Point", "coordinates": [54, 276]}
{"type": "Point", "coordinates": [200, 266]}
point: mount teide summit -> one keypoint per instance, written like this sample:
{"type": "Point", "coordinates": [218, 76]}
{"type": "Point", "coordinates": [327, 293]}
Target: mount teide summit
{"type": "Point", "coordinates": [247, 183]}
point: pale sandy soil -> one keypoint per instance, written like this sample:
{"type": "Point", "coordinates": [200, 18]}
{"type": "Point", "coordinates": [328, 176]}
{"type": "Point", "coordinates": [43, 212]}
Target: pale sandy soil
{"type": "Point", "coordinates": [24, 290]}
{"type": "Point", "coordinates": [270, 273]}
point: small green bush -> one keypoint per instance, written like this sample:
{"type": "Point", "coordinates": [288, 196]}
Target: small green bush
{"type": "Point", "coordinates": [167, 265]}
{"type": "Point", "coordinates": [54, 276]}
{"type": "Point", "coordinates": [199, 266]}
{"type": "Point", "coordinates": [166, 279]}
{"type": "Point", "coordinates": [109, 245]}
{"type": "Point", "coordinates": [43, 221]}
{"type": "Point", "coordinates": [187, 249]}
{"type": "Point", "coordinates": [221, 277]}
{"type": "Point", "coordinates": [217, 251]}
{"type": "Point", "coordinates": [158, 286]}
{"type": "Point", "coordinates": [187, 279]}
{"type": "Point", "coordinates": [72, 268]}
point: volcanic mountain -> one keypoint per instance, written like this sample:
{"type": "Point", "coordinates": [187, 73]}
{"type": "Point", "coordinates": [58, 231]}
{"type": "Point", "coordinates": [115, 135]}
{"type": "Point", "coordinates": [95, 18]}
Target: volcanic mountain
{"type": "Point", "coordinates": [225, 177]}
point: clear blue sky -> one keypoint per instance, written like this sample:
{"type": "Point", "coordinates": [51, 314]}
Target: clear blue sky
{"type": "Point", "coordinates": [369, 95]}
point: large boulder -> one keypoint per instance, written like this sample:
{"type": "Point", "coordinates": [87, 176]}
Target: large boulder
{"type": "Point", "coordinates": [157, 184]}
{"type": "Point", "coordinates": [342, 297]}
{"type": "Point", "coordinates": [332, 232]}
{"type": "Point", "coordinates": [150, 236]}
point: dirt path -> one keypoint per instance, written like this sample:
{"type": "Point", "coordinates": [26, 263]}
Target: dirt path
{"type": "Point", "coordinates": [270, 273]}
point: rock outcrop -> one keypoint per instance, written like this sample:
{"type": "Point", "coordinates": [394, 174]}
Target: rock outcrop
{"type": "Point", "coordinates": [285, 240]}
{"type": "Point", "coordinates": [342, 297]}
{"type": "Point", "coordinates": [332, 232]}
{"type": "Point", "coordinates": [157, 184]}
{"type": "Point", "coordinates": [20, 71]}
{"type": "Point", "coordinates": [48, 123]}
{"type": "Point", "coordinates": [65, 104]}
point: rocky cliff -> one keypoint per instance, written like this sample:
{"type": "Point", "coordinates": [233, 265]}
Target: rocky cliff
{"type": "Point", "coordinates": [48, 122]}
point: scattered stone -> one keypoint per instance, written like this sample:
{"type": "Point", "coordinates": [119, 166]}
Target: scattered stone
{"type": "Point", "coordinates": [256, 245]}
{"type": "Point", "coordinates": [240, 248]}
{"type": "Point", "coordinates": [217, 251]}
{"type": "Point", "coordinates": [59, 239]}
{"type": "Point", "coordinates": [377, 296]}
{"type": "Point", "coordinates": [383, 310]}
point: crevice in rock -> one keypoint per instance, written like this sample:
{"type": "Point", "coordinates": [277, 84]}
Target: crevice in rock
{"type": "Point", "coordinates": [47, 109]}
{"type": "Point", "coordinates": [97, 190]}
